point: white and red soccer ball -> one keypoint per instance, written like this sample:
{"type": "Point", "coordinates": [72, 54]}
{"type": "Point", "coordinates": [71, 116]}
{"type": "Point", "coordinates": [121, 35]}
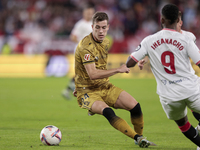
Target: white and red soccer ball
{"type": "Point", "coordinates": [50, 135]}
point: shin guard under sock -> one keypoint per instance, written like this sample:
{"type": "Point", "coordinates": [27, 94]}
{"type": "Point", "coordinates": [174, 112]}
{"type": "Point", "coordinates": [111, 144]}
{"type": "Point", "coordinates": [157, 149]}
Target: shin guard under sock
{"type": "Point", "coordinates": [118, 123]}
{"type": "Point", "coordinates": [137, 119]}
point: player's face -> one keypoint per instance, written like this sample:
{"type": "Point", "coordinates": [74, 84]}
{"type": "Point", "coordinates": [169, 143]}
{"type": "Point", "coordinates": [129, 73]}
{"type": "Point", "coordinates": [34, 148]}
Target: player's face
{"type": "Point", "coordinates": [99, 30]}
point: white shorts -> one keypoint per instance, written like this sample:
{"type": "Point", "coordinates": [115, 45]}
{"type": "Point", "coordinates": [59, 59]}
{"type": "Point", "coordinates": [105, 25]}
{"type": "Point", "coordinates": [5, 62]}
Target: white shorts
{"type": "Point", "coordinates": [176, 110]}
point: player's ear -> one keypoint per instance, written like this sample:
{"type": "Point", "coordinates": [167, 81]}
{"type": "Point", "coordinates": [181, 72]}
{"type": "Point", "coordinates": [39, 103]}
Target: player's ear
{"type": "Point", "coordinates": [162, 20]}
{"type": "Point", "coordinates": [178, 19]}
{"type": "Point", "coordinates": [108, 26]}
{"type": "Point", "coordinates": [181, 23]}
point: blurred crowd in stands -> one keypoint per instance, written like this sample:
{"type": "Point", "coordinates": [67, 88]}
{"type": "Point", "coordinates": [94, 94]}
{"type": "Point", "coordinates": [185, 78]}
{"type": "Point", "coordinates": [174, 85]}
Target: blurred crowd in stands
{"type": "Point", "coordinates": [35, 26]}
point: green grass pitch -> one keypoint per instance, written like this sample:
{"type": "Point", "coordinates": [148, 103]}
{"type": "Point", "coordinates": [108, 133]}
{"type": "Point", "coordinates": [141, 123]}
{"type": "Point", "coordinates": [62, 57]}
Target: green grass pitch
{"type": "Point", "coordinates": [28, 105]}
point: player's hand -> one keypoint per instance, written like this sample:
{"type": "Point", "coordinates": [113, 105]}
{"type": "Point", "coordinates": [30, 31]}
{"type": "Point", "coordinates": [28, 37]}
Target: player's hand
{"type": "Point", "coordinates": [141, 64]}
{"type": "Point", "coordinates": [123, 69]}
{"type": "Point", "coordinates": [75, 93]}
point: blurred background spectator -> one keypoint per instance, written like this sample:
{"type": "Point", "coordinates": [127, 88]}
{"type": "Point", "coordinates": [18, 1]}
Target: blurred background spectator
{"type": "Point", "coordinates": [37, 26]}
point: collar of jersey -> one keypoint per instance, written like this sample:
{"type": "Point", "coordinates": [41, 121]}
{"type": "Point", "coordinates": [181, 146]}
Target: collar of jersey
{"type": "Point", "coordinates": [169, 29]}
{"type": "Point", "coordinates": [94, 39]}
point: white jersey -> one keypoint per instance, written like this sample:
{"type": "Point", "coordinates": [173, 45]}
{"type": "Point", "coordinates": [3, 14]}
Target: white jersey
{"type": "Point", "coordinates": [189, 35]}
{"type": "Point", "coordinates": [169, 53]}
{"type": "Point", "coordinates": [82, 28]}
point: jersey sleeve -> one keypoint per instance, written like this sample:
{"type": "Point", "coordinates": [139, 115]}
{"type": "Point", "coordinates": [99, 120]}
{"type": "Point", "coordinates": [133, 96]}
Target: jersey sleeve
{"type": "Point", "coordinates": [140, 52]}
{"type": "Point", "coordinates": [192, 36]}
{"type": "Point", "coordinates": [87, 56]}
{"type": "Point", "coordinates": [193, 52]}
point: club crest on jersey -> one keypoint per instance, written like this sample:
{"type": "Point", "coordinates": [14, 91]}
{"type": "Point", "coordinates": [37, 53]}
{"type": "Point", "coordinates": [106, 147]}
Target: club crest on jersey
{"type": "Point", "coordinates": [87, 57]}
{"type": "Point", "coordinates": [138, 48]}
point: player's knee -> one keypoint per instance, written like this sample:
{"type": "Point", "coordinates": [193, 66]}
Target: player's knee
{"type": "Point", "coordinates": [109, 114]}
{"type": "Point", "coordinates": [182, 121]}
{"type": "Point", "coordinates": [136, 111]}
{"type": "Point", "coordinates": [185, 127]}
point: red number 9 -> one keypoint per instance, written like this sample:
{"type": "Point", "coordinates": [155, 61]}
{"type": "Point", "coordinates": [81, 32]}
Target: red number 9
{"type": "Point", "coordinates": [168, 63]}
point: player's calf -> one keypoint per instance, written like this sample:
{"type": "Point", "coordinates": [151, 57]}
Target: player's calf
{"type": "Point", "coordinates": [191, 133]}
{"type": "Point", "coordinates": [121, 125]}
{"type": "Point", "coordinates": [137, 119]}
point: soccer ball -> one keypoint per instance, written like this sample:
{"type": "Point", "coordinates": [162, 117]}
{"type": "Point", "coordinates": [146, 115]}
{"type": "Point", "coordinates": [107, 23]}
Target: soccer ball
{"type": "Point", "coordinates": [50, 135]}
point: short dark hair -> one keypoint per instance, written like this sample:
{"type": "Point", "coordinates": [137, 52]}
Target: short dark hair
{"type": "Point", "coordinates": [99, 16]}
{"type": "Point", "coordinates": [170, 12]}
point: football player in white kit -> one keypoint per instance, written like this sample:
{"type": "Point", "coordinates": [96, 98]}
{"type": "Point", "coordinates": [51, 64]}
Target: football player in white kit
{"type": "Point", "coordinates": [191, 36]}
{"type": "Point", "coordinates": [81, 29]}
{"type": "Point", "coordinates": [169, 53]}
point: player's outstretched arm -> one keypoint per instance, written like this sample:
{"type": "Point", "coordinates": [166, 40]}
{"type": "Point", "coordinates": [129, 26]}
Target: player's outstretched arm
{"type": "Point", "coordinates": [130, 62]}
{"type": "Point", "coordinates": [99, 74]}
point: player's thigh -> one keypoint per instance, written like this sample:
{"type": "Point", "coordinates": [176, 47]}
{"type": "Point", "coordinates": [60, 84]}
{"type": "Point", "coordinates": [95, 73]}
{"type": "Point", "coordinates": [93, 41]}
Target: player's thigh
{"type": "Point", "coordinates": [194, 102]}
{"type": "Point", "coordinates": [174, 110]}
{"type": "Point", "coordinates": [98, 107]}
{"type": "Point", "coordinates": [125, 101]}
{"type": "Point", "coordinates": [87, 98]}
{"type": "Point", "coordinates": [110, 94]}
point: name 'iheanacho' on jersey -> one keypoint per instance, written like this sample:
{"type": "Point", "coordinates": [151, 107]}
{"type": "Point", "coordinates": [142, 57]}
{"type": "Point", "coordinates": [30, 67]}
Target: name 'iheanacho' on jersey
{"type": "Point", "coordinates": [167, 41]}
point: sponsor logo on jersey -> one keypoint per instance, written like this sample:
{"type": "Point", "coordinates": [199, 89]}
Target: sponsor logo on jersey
{"type": "Point", "coordinates": [138, 48]}
{"type": "Point", "coordinates": [87, 57]}
{"type": "Point", "coordinates": [174, 81]}
{"type": "Point", "coordinates": [164, 82]}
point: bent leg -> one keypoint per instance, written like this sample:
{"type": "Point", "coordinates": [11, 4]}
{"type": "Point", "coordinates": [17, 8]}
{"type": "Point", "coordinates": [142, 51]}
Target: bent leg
{"type": "Point", "coordinates": [127, 102]}
{"type": "Point", "coordinates": [137, 119]}
{"type": "Point", "coordinates": [100, 107]}
{"type": "Point", "coordinates": [119, 124]}
{"type": "Point", "coordinates": [177, 111]}
{"type": "Point", "coordinates": [188, 130]}
{"type": "Point", "coordinates": [193, 104]}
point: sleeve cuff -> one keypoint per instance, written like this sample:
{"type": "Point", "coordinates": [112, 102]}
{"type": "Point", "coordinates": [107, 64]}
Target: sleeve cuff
{"type": "Point", "coordinates": [136, 59]}
{"type": "Point", "coordinates": [198, 62]}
